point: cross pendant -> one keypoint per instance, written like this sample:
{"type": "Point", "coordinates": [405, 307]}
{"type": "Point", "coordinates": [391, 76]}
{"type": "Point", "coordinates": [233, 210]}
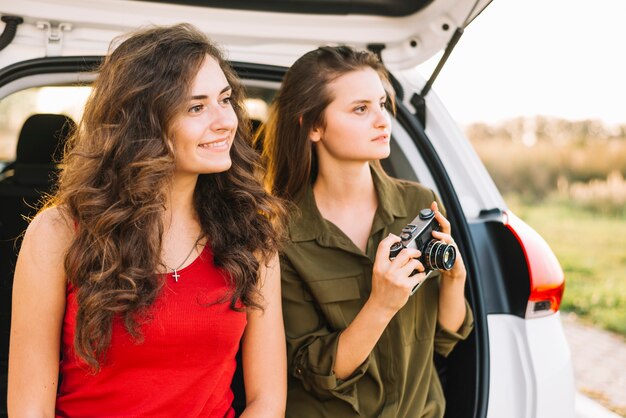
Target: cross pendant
{"type": "Point", "coordinates": [176, 275]}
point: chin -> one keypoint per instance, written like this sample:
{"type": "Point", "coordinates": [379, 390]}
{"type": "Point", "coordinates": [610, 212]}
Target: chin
{"type": "Point", "coordinates": [220, 167]}
{"type": "Point", "coordinates": [382, 155]}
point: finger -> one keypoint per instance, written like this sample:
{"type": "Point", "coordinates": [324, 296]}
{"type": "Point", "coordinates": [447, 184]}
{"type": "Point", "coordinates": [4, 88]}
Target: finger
{"type": "Point", "coordinates": [405, 255]}
{"type": "Point", "coordinates": [445, 224]}
{"type": "Point", "coordinates": [405, 268]}
{"type": "Point", "coordinates": [415, 280]}
{"type": "Point", "coordinates": [438, 214]}
{"type": "Point", "coordinates": [388, 241]}
{"type": "Point", "coordinates": [382, 252]}
{"type": "Point", "coordinates": [442, 236]}
{"type": "Point", "coordinates": [411, 266]}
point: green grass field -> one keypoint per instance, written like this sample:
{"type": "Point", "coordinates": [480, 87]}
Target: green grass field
{"type": "Point", "coordinates": [592, 252]}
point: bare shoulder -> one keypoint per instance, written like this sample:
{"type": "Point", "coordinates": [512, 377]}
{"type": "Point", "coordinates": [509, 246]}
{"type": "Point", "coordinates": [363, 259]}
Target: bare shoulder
{"type": "Point", "coordinates": [53, 216]}
{"type": "Point", "coordinates": [51, 232]}
{"type": "Point", "coordinates": [52, 220]}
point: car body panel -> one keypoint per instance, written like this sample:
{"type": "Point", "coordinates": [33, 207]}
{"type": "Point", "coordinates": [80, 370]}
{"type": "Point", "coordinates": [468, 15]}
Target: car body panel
{"type": "Point", "coordinates": [552, 366]}
{"type": "Point", "coordinates": [534, 376]}
{"type": "Point", "coordinates": [391, 8]}
{"type": "Point", "coordinates": [79, 27]}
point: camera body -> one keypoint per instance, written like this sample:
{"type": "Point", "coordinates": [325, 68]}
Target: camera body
{"type": "Point", "coordinates": [436, 255]}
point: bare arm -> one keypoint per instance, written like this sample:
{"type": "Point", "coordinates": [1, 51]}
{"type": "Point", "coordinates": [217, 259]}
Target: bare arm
{"type": "Point", "coordinates": [391, 288]}
{"type": "Point", "coordinates": [37, 316]}
{"type": "Point", "coordinates": [264, 350]}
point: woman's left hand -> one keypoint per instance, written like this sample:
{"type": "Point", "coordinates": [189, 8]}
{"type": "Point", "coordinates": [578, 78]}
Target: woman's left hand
{"type": "Point", "coordinates": [458, 271]}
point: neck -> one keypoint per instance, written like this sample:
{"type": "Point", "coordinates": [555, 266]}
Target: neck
{"type": "Point", "coordinates": [345, 185]}
{"type": "Point", "coordinates": [179, 205]}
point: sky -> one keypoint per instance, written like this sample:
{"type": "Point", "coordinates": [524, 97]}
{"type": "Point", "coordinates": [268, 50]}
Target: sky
{"type": "Point", "coordinates": [561, 58]}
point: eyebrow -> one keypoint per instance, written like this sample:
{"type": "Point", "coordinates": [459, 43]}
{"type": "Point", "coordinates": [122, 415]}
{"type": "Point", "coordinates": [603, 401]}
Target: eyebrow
{"type": "Point", "coordinates": [358, 101]}
{"type": "Point", "coordinates": [204, 96]}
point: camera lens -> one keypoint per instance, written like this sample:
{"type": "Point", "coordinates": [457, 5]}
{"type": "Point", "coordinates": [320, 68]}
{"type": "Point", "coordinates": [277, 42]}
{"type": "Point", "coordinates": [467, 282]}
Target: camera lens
{"type": "Point", "coordinates": [439, 256]}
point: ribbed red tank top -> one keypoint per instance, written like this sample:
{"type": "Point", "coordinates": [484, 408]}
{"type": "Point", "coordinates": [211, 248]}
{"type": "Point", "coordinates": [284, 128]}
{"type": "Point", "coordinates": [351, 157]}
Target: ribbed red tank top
{"type": "Point", "coordinates": [183, 367]}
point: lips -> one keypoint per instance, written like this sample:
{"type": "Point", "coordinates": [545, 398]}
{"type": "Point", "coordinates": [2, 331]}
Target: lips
{"type": "Point", "coordinates": [215, 145]}
{"type": "Point", "coordinates": [381, 138]}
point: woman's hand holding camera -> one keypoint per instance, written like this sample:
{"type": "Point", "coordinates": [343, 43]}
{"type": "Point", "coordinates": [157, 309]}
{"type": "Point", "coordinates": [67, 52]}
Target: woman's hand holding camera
{"type": "Point", "coordinates": [452, 310]}
{"type": "Point", "coordinates": [458, 271]}
{"type": "Point", "coordinates": [392, 281]}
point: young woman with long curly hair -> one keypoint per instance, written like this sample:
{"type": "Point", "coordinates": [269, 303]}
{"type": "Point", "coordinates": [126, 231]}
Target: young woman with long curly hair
{"type": "Point", "coordinates": [158, 253]}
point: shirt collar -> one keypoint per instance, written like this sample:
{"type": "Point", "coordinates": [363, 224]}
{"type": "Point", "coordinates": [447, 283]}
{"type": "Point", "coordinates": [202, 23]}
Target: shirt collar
{"type": "Point", "coordinates": [308, 224]}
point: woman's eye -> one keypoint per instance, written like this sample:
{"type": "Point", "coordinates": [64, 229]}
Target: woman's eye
{"type": "Point", "coordinates": [383, 105]}
{"type": "Point", "coordinates": [196, 108]}
{"type": "Point", "coordinates": [227, 100]}
{"type": "Point", "coordinates": [360, 109]}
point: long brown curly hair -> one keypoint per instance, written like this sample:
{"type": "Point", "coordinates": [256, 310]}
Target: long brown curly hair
{"type": "Point", "coordinates": [116, 170]}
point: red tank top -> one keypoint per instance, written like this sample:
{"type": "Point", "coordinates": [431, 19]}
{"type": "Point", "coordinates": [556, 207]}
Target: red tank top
{"type": "Point", "coordinates": [183, 367]}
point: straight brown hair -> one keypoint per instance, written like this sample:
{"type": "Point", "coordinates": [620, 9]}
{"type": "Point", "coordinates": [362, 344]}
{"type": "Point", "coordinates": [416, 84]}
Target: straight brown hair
{"type": "Point", "coordinates": [298, 107]}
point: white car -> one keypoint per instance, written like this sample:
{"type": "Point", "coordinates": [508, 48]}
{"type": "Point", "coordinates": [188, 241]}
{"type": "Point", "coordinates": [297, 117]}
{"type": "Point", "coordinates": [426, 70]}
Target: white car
{"type": "Point", "coordinates": [516, 363]}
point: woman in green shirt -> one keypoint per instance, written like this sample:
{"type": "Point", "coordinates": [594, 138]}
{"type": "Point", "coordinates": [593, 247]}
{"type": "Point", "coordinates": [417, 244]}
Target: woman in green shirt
{"type": "Point", "coordinates": [358, 343]}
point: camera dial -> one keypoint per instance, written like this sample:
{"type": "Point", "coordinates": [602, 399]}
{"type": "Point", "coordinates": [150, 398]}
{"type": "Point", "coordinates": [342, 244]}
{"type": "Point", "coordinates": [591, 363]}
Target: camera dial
{"type": "Point", "coordinates": [426, 214]}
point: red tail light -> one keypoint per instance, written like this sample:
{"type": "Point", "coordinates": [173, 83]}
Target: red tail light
{"type": "Point", "coordinates": [547, 280]}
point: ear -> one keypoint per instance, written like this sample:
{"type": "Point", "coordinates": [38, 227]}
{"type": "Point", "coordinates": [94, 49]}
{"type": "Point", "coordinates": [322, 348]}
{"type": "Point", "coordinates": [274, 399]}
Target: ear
{"type": "Point", "coordinates": [316, 134]}
{"type": "Point", "coordinates": [170, 143]}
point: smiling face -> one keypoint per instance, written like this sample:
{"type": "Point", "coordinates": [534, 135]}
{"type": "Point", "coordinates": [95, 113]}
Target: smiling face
{"type": "Point", "coordinates": [203, 133]}
{"type": "Point", "coordinates": [357, 125]}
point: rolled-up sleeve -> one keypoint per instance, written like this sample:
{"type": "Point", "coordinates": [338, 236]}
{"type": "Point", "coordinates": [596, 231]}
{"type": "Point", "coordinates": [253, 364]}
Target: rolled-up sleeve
{"type": "Point", "coordinates": [312, 344]}
{"type": "Point", "coordinates": [445, 340]}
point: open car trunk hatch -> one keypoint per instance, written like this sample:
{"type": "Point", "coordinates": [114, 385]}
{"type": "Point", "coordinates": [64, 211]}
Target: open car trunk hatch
{"type": "Point", "coordinates": [405, 32]}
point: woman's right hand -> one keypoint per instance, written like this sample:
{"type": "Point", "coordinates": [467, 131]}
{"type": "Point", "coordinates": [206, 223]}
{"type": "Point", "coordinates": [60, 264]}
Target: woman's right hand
{"type": "Point", "coordinates": [391, 287]}
{"type": "Point", "coordinates": [391, 279]}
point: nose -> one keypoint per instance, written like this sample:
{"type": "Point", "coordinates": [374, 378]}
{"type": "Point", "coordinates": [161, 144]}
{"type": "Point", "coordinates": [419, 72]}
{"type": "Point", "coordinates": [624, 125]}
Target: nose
{"type": "Point", "coordinates": [223, 119]}
{"type": "Point", "coordinates": [382, 119]}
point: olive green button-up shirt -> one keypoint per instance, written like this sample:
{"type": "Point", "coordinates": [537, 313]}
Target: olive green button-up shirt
{"type": "Point", "coordinates": [326, 280]}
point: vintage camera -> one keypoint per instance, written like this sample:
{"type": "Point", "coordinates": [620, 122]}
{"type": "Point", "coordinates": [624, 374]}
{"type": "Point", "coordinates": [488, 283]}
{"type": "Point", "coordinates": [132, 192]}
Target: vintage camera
{"type": "Point", "coordinates": [436, 255]}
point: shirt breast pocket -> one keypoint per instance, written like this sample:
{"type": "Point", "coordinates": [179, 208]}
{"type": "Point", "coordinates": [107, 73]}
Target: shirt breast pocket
{"type": "Point", "coordinates": [338, 299]}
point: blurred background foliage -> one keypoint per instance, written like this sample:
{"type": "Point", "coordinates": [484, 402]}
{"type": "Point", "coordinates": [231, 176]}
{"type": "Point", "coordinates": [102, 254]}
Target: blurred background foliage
{"type": "Point", "coordinates": [566, 180]}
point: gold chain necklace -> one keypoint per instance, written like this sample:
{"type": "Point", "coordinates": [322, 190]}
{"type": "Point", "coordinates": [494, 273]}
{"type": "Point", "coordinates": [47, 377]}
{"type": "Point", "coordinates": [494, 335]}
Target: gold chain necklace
{"type": "Point", "coordinates": [175, 272]}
